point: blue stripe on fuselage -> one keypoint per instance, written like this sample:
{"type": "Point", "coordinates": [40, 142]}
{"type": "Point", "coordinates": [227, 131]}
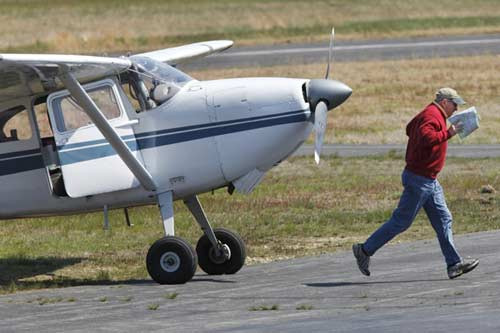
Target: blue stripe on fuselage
{"type": "Point", "coordinates": [178, 129]}
{"type": "Point", "coordinates": [27, 160]}
{"type": "Point", "coordinates": [10, 165]}
{"type": "Point", "coordinates": [88, 151]}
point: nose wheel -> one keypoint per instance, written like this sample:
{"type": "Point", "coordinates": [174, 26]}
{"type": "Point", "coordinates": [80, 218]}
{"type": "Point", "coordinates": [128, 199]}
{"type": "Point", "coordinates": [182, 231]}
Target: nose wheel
{"type": "Point", "coordinates": [227, 258]}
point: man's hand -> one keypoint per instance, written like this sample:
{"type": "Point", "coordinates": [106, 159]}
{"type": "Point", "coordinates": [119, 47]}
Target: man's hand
{"type": "Point", "coordinates": [454, 129]}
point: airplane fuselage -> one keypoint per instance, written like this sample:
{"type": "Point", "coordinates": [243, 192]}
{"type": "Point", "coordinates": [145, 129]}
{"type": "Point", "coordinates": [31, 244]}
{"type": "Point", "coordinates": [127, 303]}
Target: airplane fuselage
{"type": "Point", "coordinates": [207, 136]}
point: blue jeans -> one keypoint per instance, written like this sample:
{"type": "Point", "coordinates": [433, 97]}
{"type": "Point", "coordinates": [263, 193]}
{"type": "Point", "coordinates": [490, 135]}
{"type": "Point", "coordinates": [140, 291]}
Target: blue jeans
{"type": "Point", "coordinates": [418, 192]}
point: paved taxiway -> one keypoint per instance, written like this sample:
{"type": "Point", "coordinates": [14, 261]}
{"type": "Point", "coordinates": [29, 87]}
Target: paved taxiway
{"type": "Point", "coordinates": [345, 51]}
{"type": "Point", "coordinates": [407, 292]}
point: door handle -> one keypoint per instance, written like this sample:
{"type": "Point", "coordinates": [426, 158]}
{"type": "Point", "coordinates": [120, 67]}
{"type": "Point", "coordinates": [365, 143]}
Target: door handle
{"type": "Point", "coordinates": [127, 123]}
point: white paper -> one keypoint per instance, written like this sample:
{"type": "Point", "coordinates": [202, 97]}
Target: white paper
{"type": "Point", "coordinates": [469, 120]}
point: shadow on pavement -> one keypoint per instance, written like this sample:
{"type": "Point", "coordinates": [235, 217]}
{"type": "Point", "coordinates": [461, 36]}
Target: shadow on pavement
{"type": "Point", "coordinates": [13, 269]}
{"type": "Point", "coordinates": [15, 272]}
{"type": "Point", "coordinates": [207, 279]}
{"type": "Point", "coordinates": [343, 284]}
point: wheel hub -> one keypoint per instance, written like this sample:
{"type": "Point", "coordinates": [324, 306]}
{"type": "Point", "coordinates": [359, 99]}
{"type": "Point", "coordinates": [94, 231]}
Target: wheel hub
{"type": "Point", "coordinates": [221, 255]}
{"type": "Point", "coordinates": [170, 262]}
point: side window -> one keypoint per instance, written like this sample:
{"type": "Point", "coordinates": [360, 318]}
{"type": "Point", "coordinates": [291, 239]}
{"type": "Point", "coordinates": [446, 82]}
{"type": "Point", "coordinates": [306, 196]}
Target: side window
{"type": "Point", "coordinates": [15, 124]}
{"type": "Point", "coordinates": [72, 116]}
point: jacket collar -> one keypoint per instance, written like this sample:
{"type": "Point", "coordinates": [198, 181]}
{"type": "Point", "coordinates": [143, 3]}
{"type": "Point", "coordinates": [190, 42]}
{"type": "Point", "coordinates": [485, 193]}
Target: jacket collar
{"type": "Point", "coordinates": [441, 109]}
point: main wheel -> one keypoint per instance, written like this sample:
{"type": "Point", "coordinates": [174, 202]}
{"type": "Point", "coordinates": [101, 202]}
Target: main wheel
{"type": "Point", "coordinates": [231, 262]}
{"type": "Point", "coordinates": [171, 260]}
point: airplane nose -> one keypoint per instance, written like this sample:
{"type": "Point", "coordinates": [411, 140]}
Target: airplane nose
{"type": "Point", "coordinates": [332, 92]}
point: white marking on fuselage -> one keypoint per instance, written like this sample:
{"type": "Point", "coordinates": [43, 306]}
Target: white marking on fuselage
{"type": "Point", "coordinates": [20, 156]}
{"type": "Point", "coordinates": [65, 150]}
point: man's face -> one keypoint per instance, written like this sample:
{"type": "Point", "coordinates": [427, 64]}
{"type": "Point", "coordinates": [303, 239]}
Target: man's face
{"type": "Point", "coordinates": [449, 106]}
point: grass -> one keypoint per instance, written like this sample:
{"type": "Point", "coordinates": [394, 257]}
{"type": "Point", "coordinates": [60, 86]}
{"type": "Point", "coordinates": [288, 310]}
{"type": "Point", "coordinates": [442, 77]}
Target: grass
{"type": "Point", "coordinates": [153, 307]}
{"type": "Point", "coordinates": [110, 26]}
{"type": "Point", "coordinates": [299, 210]}
{"type": "Point", "coordinates": [171, 295]}
{"type": "Point", "coordinates": [387, 94]}
{"type": "Point", "coordinates": [305, 307]}
{"type": "Point", "coordinates": [273, 307]}
{"type": "Point", "coordinates": [47, 300]}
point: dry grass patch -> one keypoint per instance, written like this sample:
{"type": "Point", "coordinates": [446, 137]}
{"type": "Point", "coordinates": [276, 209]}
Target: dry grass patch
{"type": "Point", "coordinates": [105, 26]}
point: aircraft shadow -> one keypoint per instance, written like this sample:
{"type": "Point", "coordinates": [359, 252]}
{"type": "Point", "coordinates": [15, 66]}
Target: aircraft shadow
{"type": "Point", "coordinates": [14, 270]}
{"type": "Point", "coordinates": [344, 284]}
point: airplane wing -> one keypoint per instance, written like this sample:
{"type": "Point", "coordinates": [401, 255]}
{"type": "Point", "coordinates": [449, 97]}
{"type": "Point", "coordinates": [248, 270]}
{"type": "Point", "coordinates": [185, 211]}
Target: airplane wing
{"type": "Point", "coordinates": [184, 53]}
{"type": "Point", "coordinates": [30, 74]}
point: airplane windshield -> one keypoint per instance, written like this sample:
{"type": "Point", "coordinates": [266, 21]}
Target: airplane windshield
{"type": "Point", "coordinates": [160, 71]}
{"type": "Point", "coordinates": [154, 82]}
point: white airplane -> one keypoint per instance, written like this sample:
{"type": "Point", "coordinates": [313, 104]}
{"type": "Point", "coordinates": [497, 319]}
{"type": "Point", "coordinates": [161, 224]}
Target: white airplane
{"type": "Point", "coordinates": [83, 133]}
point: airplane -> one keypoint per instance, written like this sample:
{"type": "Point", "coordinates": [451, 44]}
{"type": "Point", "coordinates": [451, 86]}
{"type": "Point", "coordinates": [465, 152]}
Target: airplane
{"type": "Point", "coordinates": [90, 133]}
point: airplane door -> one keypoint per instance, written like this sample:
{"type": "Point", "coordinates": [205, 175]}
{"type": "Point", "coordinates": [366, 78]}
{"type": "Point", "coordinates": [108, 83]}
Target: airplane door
{"type": "Point", "coordinates": [89, 164]}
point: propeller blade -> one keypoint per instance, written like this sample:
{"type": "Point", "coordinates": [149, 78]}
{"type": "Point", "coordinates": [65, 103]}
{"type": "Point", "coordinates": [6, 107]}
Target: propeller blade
{"type": "Point", "coordinates": [330, 51]}
{"type": "Point", "coordinates": [319, 128]}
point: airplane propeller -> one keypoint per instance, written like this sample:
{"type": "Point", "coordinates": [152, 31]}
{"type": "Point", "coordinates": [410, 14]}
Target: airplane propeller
{"type": "Point", "coordinates": [320, 119]}
{"type": "Point", "coordinates": [325, 95]}
{"type": "Point", "coordinates": [330, 51]}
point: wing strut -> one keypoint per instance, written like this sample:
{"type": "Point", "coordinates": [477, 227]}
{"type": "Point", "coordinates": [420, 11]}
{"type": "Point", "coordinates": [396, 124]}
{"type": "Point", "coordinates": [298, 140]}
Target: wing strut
{"type": "Point", "coordinates": [88, 105]}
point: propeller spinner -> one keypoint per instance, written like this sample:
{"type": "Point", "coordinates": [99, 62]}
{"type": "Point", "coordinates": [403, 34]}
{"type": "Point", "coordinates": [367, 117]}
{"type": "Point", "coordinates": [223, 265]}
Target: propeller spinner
{"type": "Point", "coordinates": [324, 95]}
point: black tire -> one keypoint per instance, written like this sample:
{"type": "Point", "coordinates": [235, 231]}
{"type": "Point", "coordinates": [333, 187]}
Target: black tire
{"type": "Point", "coordinates": [204, 249]}
{"type": "Point", "coordinates": [171, 260]}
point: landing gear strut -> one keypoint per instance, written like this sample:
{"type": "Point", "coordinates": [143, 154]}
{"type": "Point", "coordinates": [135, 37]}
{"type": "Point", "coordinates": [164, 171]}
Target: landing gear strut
{"type": "Point", "coordinates": [220, 251]}
{"type": "Point", "coordinates": [171, 260]}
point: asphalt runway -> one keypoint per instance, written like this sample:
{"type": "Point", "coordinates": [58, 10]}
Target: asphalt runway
{"type": "Point", "coordinates": [346, 51]}
{"type": "Point", "coordinates": [408, 291]}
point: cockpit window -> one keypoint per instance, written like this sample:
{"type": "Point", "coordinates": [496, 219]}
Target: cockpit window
{"type": "Point", "coordinates": [153, 82]}
{"type": "Point", "coordinates": [161, 71]}
{"type": "Point", "coordinates": [70, 116]}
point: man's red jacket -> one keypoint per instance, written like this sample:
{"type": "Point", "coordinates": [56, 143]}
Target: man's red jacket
{"type": "Point", "coordinates": [427, 142]}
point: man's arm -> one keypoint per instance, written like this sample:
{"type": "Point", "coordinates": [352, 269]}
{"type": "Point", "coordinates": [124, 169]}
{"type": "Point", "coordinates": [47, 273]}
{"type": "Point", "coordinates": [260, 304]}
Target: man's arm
{"type": "Point", "coordinates": [432, 134]}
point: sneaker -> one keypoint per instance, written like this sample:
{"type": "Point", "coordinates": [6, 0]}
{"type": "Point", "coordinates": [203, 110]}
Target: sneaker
{"type": "Point", "coordinates": [462, 267]}
{"type": "Point", "coordinates": [362, 258]}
